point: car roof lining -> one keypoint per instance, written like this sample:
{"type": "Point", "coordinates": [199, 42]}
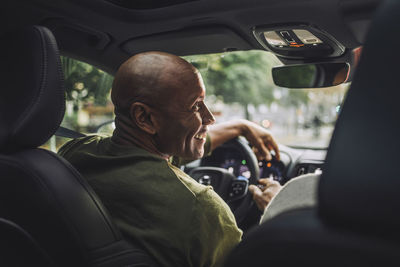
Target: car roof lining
{"type": "Point", "coordinates": [214, 39]}
{"type": "Point", "coordinates": [147, 4]}
{"type": "Point", "coordinates": [105, 35]}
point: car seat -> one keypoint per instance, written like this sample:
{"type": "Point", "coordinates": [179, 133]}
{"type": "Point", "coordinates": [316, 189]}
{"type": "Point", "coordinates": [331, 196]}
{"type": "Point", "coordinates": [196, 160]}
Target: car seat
{"type": "Point", "coordinates": [41, 193]}
{"type": "Point", "coordinates": [17, 247]}
{"type": "Point", "coordinates": [356, 221]}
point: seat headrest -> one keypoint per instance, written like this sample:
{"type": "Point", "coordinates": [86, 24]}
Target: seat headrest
{"type": "Point", "coordinates": [360, 184]}
{"type": "Point", "coordinates": [32, 100]}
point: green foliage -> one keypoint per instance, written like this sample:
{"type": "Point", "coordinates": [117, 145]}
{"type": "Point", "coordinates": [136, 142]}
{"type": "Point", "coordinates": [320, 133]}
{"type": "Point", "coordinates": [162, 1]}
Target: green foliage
{"type": "Point", "coordinates": [241, 77]}
{"type": "Point", "coordinates": [245, 78]}
{"type": "Point", "coordinates": [84, 85]}
{"type": "Point", "coordinates": [84, 82]}
{"type": "Point", "coordinates": [238, 77]}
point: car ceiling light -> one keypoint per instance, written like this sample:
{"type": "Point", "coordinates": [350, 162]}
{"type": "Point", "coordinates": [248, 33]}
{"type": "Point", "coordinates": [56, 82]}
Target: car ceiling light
{"type": "Point", "coordinates": [300, 41]}
{"type": "Point", "coordinates": [274, 39]}
{"type": "Point", "coordinates": [291, 38]}
{"type": "Point", "coordinates": [307, 37]}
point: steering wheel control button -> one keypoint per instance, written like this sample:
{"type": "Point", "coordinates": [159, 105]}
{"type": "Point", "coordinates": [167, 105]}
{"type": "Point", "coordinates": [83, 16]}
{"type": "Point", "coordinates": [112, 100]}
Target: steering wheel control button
{"type": "Point", "coordinates": [238, 189]}
{"type": "Point", "coordinates": [205, 180]}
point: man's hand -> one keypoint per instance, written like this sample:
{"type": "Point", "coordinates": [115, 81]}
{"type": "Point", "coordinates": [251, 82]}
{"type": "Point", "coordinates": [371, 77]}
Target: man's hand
{"type": "Point", "coordinates": [262, 141]}
{"type": "Point", "coordinates": [263, 194]}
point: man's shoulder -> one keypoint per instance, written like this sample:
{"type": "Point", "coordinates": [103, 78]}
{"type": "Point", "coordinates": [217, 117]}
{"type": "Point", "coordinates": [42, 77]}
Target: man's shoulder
{"type": "Point", "coordinates": [80, 143]}
{"type": "Point", "coordinates": [205, 196]}
{"type": "Point", "coordinates": [102, 147]}
{"type": "Point", "coordinates": [191, 185]}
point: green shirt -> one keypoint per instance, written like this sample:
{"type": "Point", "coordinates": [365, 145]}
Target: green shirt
{"type": "Point", "coordinates": [177, 220]}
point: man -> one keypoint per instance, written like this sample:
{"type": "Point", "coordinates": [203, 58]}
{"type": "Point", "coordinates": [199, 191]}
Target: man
{"type": "Point", "coordinates": [161, 114]}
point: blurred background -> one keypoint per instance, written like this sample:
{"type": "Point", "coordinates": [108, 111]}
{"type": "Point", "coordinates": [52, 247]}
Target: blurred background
{"type": "Point", "coordinates": [238, 84]}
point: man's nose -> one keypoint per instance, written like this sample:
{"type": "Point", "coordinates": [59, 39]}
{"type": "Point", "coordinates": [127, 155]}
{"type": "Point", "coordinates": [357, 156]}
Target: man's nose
{"type": "Point", "coordinates": [208, 117]}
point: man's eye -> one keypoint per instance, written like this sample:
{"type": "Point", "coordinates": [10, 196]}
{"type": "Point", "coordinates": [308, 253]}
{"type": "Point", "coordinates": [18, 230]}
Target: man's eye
{"type": "Point", "coordinates": [196, 106]}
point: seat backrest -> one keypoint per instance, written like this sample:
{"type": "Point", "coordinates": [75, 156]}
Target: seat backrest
{"type": "Point", "coordinates": [39, 191]}
{"type": "Point", "coordinates": [357, 218]}
{"type": "Point", "coordinates": [359, 189]}
{"type": "Point", "coordinates": [18, 248]}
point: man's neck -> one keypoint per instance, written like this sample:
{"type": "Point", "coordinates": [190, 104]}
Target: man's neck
{"type": "Point", "coordinates": [126, 135]}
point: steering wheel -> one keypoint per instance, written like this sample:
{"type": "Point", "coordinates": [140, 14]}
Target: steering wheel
{"type": "Point", "coordinates": [232, 189]}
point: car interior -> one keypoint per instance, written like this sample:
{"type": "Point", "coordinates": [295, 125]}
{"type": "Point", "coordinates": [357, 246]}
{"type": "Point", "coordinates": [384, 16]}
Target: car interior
{"type": "Point", "coordinates": [42, 193]}
{"type": "Point", "coordinates": [50, 216]}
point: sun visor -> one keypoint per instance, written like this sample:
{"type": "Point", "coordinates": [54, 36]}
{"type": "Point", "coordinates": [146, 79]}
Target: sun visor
{"type": "Point", "coordinates": [189, 42]}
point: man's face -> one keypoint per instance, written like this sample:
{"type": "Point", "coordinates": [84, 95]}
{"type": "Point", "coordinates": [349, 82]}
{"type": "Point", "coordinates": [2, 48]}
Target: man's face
{"type": "Point", "coordinates": [183, 120]}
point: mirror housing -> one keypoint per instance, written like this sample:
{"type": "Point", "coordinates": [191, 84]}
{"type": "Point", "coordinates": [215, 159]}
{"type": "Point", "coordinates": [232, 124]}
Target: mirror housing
{"type": "Point", "coordinates": [311, 75]}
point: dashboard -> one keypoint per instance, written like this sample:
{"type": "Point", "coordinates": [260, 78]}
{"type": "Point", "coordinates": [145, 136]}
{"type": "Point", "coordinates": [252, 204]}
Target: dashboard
{"type": "Point", "coordinates": [293, 162]}
{"type": "Point", "coordinates": [233, 161]}
{"type": "Point", "coordinates": [233, 166]}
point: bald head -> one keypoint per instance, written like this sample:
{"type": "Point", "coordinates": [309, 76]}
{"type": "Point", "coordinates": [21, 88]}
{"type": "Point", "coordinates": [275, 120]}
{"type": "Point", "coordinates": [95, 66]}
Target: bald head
{"type": "Point", "coordinates": [149, 78]}
{"type": "Point", "coordinates": [159, 105]}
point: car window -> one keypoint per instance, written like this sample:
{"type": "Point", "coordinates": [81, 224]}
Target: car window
{"type": "Point", "coordinates": [239, 85]}
{"type": "Point", "coordinates": [88, 103]}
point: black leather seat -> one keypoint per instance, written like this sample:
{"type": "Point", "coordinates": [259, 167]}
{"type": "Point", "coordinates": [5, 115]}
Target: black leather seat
{"type": "Point", "coordinates": [18, 248]}
{"type": "Point", "coordinates": [39, 191]}
{"type": "Point", "coordinates": [356, 222]}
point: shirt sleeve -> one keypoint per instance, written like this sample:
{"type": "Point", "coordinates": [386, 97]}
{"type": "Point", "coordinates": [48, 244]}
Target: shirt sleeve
{"type": "Point", "coordinates": [178, 161]}
{"type": "Point", "coordinates": [214, 231]}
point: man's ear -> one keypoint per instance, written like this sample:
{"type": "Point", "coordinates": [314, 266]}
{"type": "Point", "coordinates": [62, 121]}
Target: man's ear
{"type": "Point", "coordinates": [141, 116]}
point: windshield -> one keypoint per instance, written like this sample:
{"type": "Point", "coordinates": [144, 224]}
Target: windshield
{"type": "Point", "coordinates": [239, 85]}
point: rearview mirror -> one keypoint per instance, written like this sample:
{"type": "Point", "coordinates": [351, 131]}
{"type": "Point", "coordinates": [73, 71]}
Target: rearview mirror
{"type": "Point", "coordinates": [310, 75]}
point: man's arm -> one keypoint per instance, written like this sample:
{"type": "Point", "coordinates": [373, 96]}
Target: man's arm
{"type": "Point", "coordinates": [261, 140]}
